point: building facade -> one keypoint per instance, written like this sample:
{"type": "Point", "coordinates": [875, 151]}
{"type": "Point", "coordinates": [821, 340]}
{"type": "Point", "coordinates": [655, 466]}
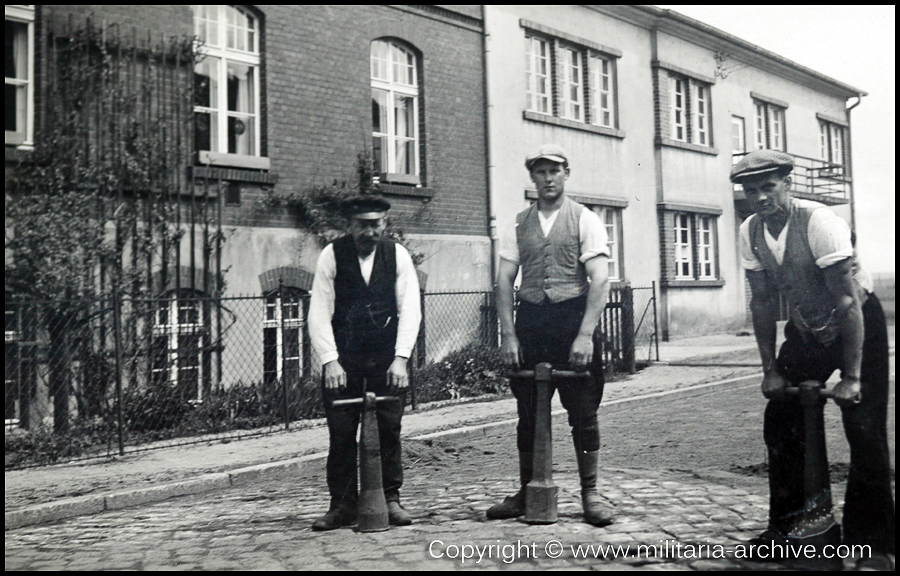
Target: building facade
{"type": "Point", "coordinates": [653, 108]}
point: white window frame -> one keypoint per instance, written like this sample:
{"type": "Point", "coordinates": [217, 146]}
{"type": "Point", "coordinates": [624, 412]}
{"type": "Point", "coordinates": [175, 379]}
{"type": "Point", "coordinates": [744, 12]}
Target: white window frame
{"type": "Point", "coordinates": [572, 84]}
{"type": "Point", "coordinates": [706, 247]}
{"type": "Point", "coordinates": [274, 317]}
{"type": "Point", "coordinates": [684, 255]}
{"type": "Point", "coordinates": [678, 108]}
{"type": "Point", "coordinates": [602, 83]}
{"type": "Point", "coordinates": [700, 114]}
{"type": "Point", "coordinates": [611, 218]}
{"type": "Point", "coordinates": [770, 126]}
{"type": "Point", "coordinates": [23, 137]}
{"type": "Point", "coordinates": [741, 148]}
{"type": "Point", "coordinates": [396, 88]}
{"type": "Point", "coordinates": [537, 69]}
{"type": "Point", "coordinates": [172, 328]}
{"type": "Point", "coordinates": [831, 145]}
{"type": "Point", "coordinates": [216, 49]}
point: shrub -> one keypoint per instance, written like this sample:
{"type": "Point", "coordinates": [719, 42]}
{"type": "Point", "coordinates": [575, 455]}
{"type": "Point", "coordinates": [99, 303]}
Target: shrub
{"type": "Point", "coordinates": [471, 371]}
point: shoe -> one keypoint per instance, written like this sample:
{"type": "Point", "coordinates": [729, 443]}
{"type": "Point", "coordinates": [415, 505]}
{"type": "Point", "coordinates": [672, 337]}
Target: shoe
{"type": "Point", "coordinates": [511, 507]}
{"type": "Point", "coordinates": [595, 513]}
{"type": "Point", "coordinates": [397, 515]}
{"type": "Point", "coordinates": [514, 506]}
{"type": "Point", "coordinates": [877, 562]}
{"type": "Point", "coordinates": [334, 519]}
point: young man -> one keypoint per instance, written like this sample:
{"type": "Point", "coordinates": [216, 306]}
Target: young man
{"type": "Point", "coordinates": [363, 321]}
{"type": "Point", "coordinates": [803, 251]}
{"type": "Point", "coordinates": [561, 248]}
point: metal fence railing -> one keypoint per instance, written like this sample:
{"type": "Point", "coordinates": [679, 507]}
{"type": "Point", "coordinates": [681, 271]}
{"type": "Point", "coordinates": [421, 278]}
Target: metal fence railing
{"type": "Point", "coordinates": [96, 378]}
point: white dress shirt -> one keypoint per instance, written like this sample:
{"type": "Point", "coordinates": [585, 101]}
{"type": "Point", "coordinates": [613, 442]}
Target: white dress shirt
{"type": "Point", "coordinates": [592, 236]}
{"type": "Point", "coordinates": [321, 306]}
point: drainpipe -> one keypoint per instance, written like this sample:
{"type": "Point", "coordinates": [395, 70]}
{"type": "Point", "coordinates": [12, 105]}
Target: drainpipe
{"type": "Point", "coordinates": [489, 167]}
{"type": "Point", "coordinates": [850, 161]}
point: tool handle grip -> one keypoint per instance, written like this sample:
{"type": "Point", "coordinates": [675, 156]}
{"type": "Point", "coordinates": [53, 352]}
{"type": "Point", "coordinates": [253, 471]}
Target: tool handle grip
{"type": "Point", "coordinates": [351, 401]}
{"type": "Point", "coordinates": [795, 391]}
{"type": "Point", "coordinates": [555, 373]}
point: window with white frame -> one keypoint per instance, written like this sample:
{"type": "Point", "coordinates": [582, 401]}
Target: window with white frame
{"type": "Point", "coordinates": [226, 81]}
{"type": "Point", "coordinates": [831, 145]}
{"type": "Point", "coordinates": [738, 142]}
{"type": "Point", "coordinates": [689, 110]}
{"type": "Point", "coordinates": [684, 260]}
{"type": "Point", "coordinates": [612, 218]}
{"type": "Point", "coordinates": [572, 85]}
{"type": "Point", "coordinates": [19, 74]}
{"type": "Point", "coordinates": [706, 261]}
{"type": "Point", "coordinates": [769, 126]}
{"type": "Point", "coordinates": [570, 81]}
{"type": "Point", "coordinates": [696, 246]}
{"type": "Point", "coordinates": [537, 75]}
{"type": "Point", "coordinates": [601, 94]}
{"type": "Point", "coordinates": [395, 111]}
{"type": "Point", "coordinates": [177, 345]}
{"type": "Point", "coordinates": [283, 333]}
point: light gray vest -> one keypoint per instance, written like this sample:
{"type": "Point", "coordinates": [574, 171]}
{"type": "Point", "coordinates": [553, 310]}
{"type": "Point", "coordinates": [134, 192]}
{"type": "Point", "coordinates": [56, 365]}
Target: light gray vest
{"type": "Point", "coordinates": [799, 279]}
{"type": "Point", "coordinates": [551, 265]}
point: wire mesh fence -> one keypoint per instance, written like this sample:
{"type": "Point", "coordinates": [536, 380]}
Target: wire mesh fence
{"type": "Point", "coordinates": [88, 379]}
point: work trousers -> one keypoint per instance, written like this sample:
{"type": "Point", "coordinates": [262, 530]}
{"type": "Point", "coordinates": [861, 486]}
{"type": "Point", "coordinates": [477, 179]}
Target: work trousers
{"type": "Point", "coordinates": [546, 332]}
{"type": "Point", "coordinates": [369, 375]}
{"type": "Point", "coordinates": [869, 505]}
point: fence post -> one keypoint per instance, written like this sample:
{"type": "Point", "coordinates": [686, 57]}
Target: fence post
{"type": "Point", "coordinates": [117, 328]}
{"type": "Point", "coordinates": [628, 329]}
{"type": "Point", "coordinates": [655, 327]}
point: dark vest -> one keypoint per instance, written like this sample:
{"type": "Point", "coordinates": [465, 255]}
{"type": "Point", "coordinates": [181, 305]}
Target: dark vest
{"type": "Point", "coordinates": [365, 316]}
{"type": "Point", "coordinates": [799, 279]}
{"type": "Point", "coordinates": [551, 265]}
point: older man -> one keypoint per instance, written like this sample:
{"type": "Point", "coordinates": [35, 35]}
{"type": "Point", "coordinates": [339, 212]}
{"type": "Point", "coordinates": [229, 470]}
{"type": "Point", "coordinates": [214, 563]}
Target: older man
{"type": "Point", "coordinates": [803, 251]}
{"type": "Point", "coordinates": [561, 248]}
{"type": "Point", "coordinates": [363, 320]}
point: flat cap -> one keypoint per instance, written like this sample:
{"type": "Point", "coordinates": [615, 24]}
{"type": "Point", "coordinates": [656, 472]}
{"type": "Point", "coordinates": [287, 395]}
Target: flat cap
{"type": "Point", "coordinates": [550, 152]}
{"type": "Point", "coordinates": [366, 207]}
{"type": "Point", "coordinates": [761, 162]}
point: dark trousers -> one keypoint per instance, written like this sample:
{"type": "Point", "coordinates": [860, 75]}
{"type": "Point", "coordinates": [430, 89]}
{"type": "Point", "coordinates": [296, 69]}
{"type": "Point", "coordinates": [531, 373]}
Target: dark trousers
{"type": "Point", "coordinates": [343, 422]}
{"type": "Point", "coordinates": [869, 503]}
{"type": "Point", "coordinates": [546, 333]}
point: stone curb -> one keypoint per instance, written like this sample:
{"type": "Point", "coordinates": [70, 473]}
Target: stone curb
{"type": "Point", "coordinates": [95, 504]}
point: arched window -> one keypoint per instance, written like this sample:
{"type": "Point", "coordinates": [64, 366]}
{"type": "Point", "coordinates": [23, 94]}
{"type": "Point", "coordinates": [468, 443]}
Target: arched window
{"type": "Point", "coordinates": [395, 111]}
{"type": "Point", "coordinates": [226, 81]}
{"type": "Point", "coordinates": [284, 335]}
{"type": "Point", "coordinates": [179, 334]}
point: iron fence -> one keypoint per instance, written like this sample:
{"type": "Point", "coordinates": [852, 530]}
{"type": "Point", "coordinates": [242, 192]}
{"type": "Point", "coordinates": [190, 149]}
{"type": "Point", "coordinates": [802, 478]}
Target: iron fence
{"type": "Point", "coordinates": [95, 378]}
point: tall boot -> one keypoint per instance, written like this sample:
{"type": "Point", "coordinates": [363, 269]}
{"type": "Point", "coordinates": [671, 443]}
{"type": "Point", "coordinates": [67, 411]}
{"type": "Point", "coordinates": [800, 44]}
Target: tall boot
{"type": "Point", "coordinates": [594, 511]}
{"type": "Point", "coordinates": [514, 506]}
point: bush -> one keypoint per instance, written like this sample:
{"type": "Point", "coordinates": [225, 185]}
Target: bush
{"type": "Point", "coordinates": [471, 371]}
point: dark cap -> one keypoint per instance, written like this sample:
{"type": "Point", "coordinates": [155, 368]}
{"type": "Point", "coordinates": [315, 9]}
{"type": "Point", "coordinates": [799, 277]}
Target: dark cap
{"type": "Point", "coordinates": [761, 162]}
{"type": "Point", "coordinates": [550, 152]}
{"type": "Point", "coordinates": [366, 207]}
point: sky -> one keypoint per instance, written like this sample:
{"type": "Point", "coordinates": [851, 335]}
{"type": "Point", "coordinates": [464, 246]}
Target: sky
{"type": "Point", "coordinates": [855, 45]}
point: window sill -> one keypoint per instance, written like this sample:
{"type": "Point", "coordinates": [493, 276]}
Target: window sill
{"type": "Point", "coordinates": [694, 283]}
{"type": "Point", "coordinates": [403, 179]}
{"type": "Point", "coordinates": [219, 159]}
{"type": "Point", "coordinates": [424, 194]}
{"type": "Point", "coordinates": [553, 120]}
{"type": "Point", "coordinates": [687, 146]}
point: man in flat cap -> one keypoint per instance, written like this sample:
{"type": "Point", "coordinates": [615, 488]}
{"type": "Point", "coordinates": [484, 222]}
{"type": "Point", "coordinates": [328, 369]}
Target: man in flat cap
{"type": "Point", "coordinates": [803, 251]}
{"type": "Point", "coordinates": [363, 321]}
{"type": "Point", "coordinates": [562, 250]}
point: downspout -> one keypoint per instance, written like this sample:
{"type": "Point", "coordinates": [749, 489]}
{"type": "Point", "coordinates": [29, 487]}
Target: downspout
{"type": "Point", "coordinates": [850, 162]}
{"type": "Point", "coordinates": [658, 173]}
{"type": "Point", "coordinates": [489, 167]}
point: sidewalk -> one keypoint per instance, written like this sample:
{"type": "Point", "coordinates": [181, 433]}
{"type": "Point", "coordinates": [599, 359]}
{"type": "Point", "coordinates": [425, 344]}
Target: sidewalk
{"type": "Point", "coordinates": [45, 494]}
{"type": "Point", "coordinates": [40, 495]}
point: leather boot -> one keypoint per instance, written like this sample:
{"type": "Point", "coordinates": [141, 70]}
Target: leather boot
{"type": "Point", "coordinates": [595, 512]}
{"type": "Point", "coordinates": [514, 506]}
{"type": "Point", "coordinates": [334, 519]}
